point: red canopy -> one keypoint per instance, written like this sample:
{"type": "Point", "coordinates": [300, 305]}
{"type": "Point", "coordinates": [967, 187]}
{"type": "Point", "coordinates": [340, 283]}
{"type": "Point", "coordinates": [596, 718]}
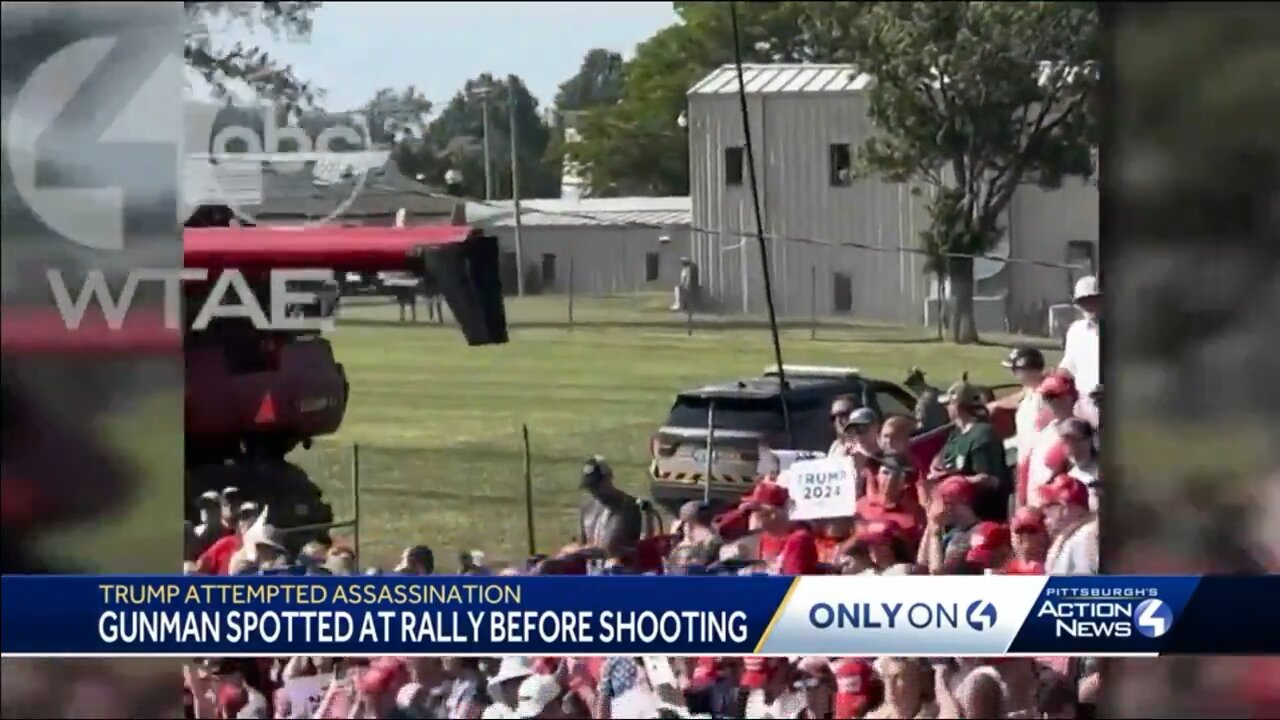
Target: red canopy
{"type": "Point", "coordinates": [368, 249]}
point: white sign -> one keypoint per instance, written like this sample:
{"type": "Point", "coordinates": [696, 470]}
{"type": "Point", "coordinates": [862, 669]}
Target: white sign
{"type": "Point", "coordinates": [95, 290]}
{"type": "Point", "coordinates": [822, 488]}
{"type": "Point", "coordinates": [305, 694]}
{"type": "Point", "coordinates": [774, 462]}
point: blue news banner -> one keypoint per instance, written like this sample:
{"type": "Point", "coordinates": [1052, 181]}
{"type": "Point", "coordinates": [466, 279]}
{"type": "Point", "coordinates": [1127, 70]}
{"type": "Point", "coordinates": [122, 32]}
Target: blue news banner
{"type": "Point", "coordinates": [836, 615]}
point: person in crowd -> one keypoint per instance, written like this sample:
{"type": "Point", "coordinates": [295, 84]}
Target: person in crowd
{"type": "Point", "coordinates": [929, 410]}
{"type": "Point", "coordinates": [1028, 367]}
{"type": "Point", "coordinates": [217, 559]}
{"type": "Point", "coordinates": [1073, 528]}
{"type": "Point", "coordinates": [619, 675]}
{"type": "Point", "coordinates": [1078, 440]}
{"type": "Point", "coordinates": [230, 502]}
{"type": "Point", "coordinates": [699, 542]}
{"type": "Point", "coordinates": [831, 536]}
{"type": "Point", "coordinates": [611, 520]}
{"type": "Point", "coordinates": [894, 500]}
{"type": "Point", "coordinates": [210, 529]}
{"type": "Point", "coordinates": [416, 560]}
{"type": "Point", "coordinates": [944, 544]}
{"type": "Point", "coordinates": [841, 410]}
{"type": "Point", "coordinates": [1047, 457]}
{"type": "Point", "coordinates": [539, 696]}
{"type": "Point", "coordinates": [986, 688]}
{"type": "Point", "coordinates": [888, 551]}
{"type": "Point", "coordinates": [895, 439]}
{"type": "Point", "coordinates": [990, 547]}
{"type": "Point", "coordinates": [856, 688]}
{"type": "Point", "coordinates": [906, 690]}
{"type": "Point", "coordinates": [262, 548]}
{"type": "Point", "coordinates": [974, 451]}
{"type": "Point", "coordinates": [1029, 539]}
{"type": "Point", "coordinates": [767, 683]}
{"type": "Point", "coordinates": [816, 686]}
{"type": "Point", "coordinates": [340, 560]}
{"type": "Point", "coordinates": [853, 558]}
{"type": "Point", "coordinates": [466, 698]}
{"type": "Point", "coordinates": [785, 547]}
{"type": "Point", "coordinates": [1082, 356]}
{"type": "Point", "coordinates": [235, 696]}
{"type": "Point", "coordinates": [861, 434]}
{"type": "Point", "coordinates": [504, 687]}
{"type": "Point", "coordinates": [190, 548]}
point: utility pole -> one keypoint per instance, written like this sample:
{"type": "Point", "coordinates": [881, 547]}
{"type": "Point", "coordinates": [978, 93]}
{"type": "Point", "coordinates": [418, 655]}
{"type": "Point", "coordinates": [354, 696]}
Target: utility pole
{"type": "Point", "coordinates": [515, 189]}
{"type": "Point", "coordinates": [483, 94]}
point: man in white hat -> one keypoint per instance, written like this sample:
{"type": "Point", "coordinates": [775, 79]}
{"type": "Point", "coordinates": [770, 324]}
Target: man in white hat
{"type": "Point", "coordinates": [1082, 356]}
{"type": "Point", "coordinates": [504, 687]}
{"type": "Point", "coordinates": [537, 697]}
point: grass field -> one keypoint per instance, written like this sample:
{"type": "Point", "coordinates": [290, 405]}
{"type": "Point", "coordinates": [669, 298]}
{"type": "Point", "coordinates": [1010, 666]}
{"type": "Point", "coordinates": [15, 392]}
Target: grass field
{"type": "Point", "coordinates": [439, 424]}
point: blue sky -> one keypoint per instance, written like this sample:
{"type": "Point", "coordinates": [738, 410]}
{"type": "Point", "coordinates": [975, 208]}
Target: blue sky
{"type": "Point", "coordinates": [357, 47]}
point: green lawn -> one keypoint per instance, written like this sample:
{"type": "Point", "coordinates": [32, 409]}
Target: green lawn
{"type": "Point", "coordinates": [438, 423]}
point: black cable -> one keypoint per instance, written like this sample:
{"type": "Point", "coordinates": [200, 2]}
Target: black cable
{"type": "Point", "coordinates": [755, 201]}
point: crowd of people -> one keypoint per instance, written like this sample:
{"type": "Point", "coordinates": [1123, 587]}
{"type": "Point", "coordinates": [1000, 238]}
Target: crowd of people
{"type": "Point", "coordinates": [964, 510]}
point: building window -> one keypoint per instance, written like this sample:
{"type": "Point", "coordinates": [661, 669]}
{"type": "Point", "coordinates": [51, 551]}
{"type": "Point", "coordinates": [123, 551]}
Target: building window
{"type": "Point", "coordinates": [548, 270]}
{"type": "Point", "coordinates": [841, 161]}
{"type": "Point", "coordinates": [842, 293]}
{"type": "Point", "coordinates": [733, 160]}
{"type": "Point", "coordinates": [651, 266]}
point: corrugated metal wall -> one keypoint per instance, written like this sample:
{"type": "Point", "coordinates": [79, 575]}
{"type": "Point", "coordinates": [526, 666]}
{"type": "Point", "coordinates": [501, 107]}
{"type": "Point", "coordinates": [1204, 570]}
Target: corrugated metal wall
{"type": "Point", "coordinates": [606, 260]}
{"type": "Point", "coordinates": [793, 135]}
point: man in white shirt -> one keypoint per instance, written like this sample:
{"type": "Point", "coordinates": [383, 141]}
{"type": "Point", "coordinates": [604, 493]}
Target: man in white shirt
{"type": "Point", "coordinates": [1082, 355]}
{"type": "Point", "coordinates": [841, 410]}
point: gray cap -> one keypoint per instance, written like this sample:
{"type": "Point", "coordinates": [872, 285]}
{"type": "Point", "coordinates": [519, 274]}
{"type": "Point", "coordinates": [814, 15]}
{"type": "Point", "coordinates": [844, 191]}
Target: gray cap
{"type": "Point", "coordinates": [861, 416]}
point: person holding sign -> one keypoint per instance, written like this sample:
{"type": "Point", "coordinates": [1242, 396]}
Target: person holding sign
{"type": "Point", "coordinates": [786, 547]}
{"type": "Point", "coordinates": [894, 502]}
{"type": "Point", "coordinates": [974, 452]}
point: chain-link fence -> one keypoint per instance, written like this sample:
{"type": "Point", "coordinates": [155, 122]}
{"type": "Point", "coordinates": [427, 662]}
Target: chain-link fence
{"type": "Point", "coordinates": [462, 498]}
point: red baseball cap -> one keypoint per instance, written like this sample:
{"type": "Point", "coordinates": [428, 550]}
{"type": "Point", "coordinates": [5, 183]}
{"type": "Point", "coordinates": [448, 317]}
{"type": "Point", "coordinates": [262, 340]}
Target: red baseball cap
{"type": "Point", "coordinates": [1027, 520]}
{"type": "Point", "coordinates": [232, 699]}
{"type": "Point", "coordinates": [1057, 385]}
{"type": "Point", "coordinates": [985, 540]}
{"type": "Point", "coordinates": [956, 490]}
{"type": "Point", "coordinates": [1056, 458]}
{"type": "Point", "coordinates": [767, 494]}
{"type": "Point", "coordinates": [854, 681]}
{"type": "Point", "coordinates": [1064, 490]}
{"type": "Point", "coordinates": [705, 671]}
{"type": "Point", "coordinates": [758, 671]}
{"type": "Point", "coordinates": [877, 532]}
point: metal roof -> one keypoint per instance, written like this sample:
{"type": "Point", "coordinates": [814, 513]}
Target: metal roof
{"type": "Point", "coordinates": [585, 211]}
{"type": "Point", "coordinates": [783, 78]}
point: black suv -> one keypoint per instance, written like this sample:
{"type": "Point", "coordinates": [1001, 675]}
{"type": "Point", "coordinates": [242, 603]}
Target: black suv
{"type": "Point", "coordinates": [747, 416]}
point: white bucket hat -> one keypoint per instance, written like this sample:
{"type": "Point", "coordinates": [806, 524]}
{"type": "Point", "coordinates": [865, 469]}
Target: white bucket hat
{"type": "Point", "coordinates": [536, 693]}
{"type": "Point", "coordinates": [1086, 287]}
{"type": "Point", "coordinates": [512, 667]}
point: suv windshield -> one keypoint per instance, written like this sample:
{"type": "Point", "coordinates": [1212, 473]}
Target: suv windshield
{"type": "Point", "coordinates": [747, 414]}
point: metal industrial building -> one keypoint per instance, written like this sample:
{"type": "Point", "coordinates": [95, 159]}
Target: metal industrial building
{"type": "Point", "coordinates": [613, 245]}
{"type": "Point", "coordinates": [806, 122]}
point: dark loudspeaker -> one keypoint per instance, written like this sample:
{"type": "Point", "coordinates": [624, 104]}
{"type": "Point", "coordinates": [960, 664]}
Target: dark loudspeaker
{"type": "Point", "coordinates": [466, 274]}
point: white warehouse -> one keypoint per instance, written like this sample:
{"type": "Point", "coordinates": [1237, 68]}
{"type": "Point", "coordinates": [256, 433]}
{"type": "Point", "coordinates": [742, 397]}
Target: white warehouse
{"type": "Point", "coordinates": [806, 122]}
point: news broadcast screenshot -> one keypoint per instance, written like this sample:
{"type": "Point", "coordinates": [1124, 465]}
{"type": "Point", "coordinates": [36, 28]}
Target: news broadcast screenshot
{"type": "Point", "coordinates": [607, 360]}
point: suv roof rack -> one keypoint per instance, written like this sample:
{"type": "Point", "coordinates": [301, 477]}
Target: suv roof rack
{"type": "Point", "coordinates": [813, 371]}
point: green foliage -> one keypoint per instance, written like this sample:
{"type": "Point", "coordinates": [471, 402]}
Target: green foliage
{"type": "Point", "coordinates": [455, 140]}
{"type": "Point", "coordinates": [597, 82]}
{"type": "Point", "coordinates": [635, 147]}
{"type": "Point", "coordinates": [975, 99]}
{"type": "Point", "coordinates": [248, 64]}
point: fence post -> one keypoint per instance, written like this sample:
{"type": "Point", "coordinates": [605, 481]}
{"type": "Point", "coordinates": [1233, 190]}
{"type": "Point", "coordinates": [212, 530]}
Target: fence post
{"type": "Point", "coordinates": [813, 302]}
{"type": "Point", "coordinates": [528, 488]}
{"type": "Point", "coordinates": [355, 500]}
{"type": "Point", "coordinates": [571, 275]}
{"type": "Point", "coordinates": [688, 316]}
{"type": "Point", "coordinates": [711, 437]}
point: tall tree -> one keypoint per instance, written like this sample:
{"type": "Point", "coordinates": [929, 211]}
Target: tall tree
{"type": "Point", "coordinates": [974, 99]}
{"type": "Point", "coordinates": [635, 145]}
{"type": "Point", "coordinates": [397, 116]}
{"type": "Point", "coordinates": [597, 82]}
{"type": "Point", "coordinates": [250, 65]}
{"type": "Point", "coordinates": [455, 140]}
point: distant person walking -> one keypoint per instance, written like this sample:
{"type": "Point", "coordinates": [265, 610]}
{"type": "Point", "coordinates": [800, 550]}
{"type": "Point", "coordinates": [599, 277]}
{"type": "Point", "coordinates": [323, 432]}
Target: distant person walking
{"type": "Point", "coordinates": [687, 289]}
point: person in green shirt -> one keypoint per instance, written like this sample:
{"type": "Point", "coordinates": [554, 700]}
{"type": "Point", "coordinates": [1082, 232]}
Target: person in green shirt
{"type": "Point", "coordinates": [974, 450]}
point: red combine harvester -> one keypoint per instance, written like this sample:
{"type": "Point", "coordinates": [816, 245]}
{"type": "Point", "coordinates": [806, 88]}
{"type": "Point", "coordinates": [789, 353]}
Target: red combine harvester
{"type": "Point", "coordinates": [253, 396]}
